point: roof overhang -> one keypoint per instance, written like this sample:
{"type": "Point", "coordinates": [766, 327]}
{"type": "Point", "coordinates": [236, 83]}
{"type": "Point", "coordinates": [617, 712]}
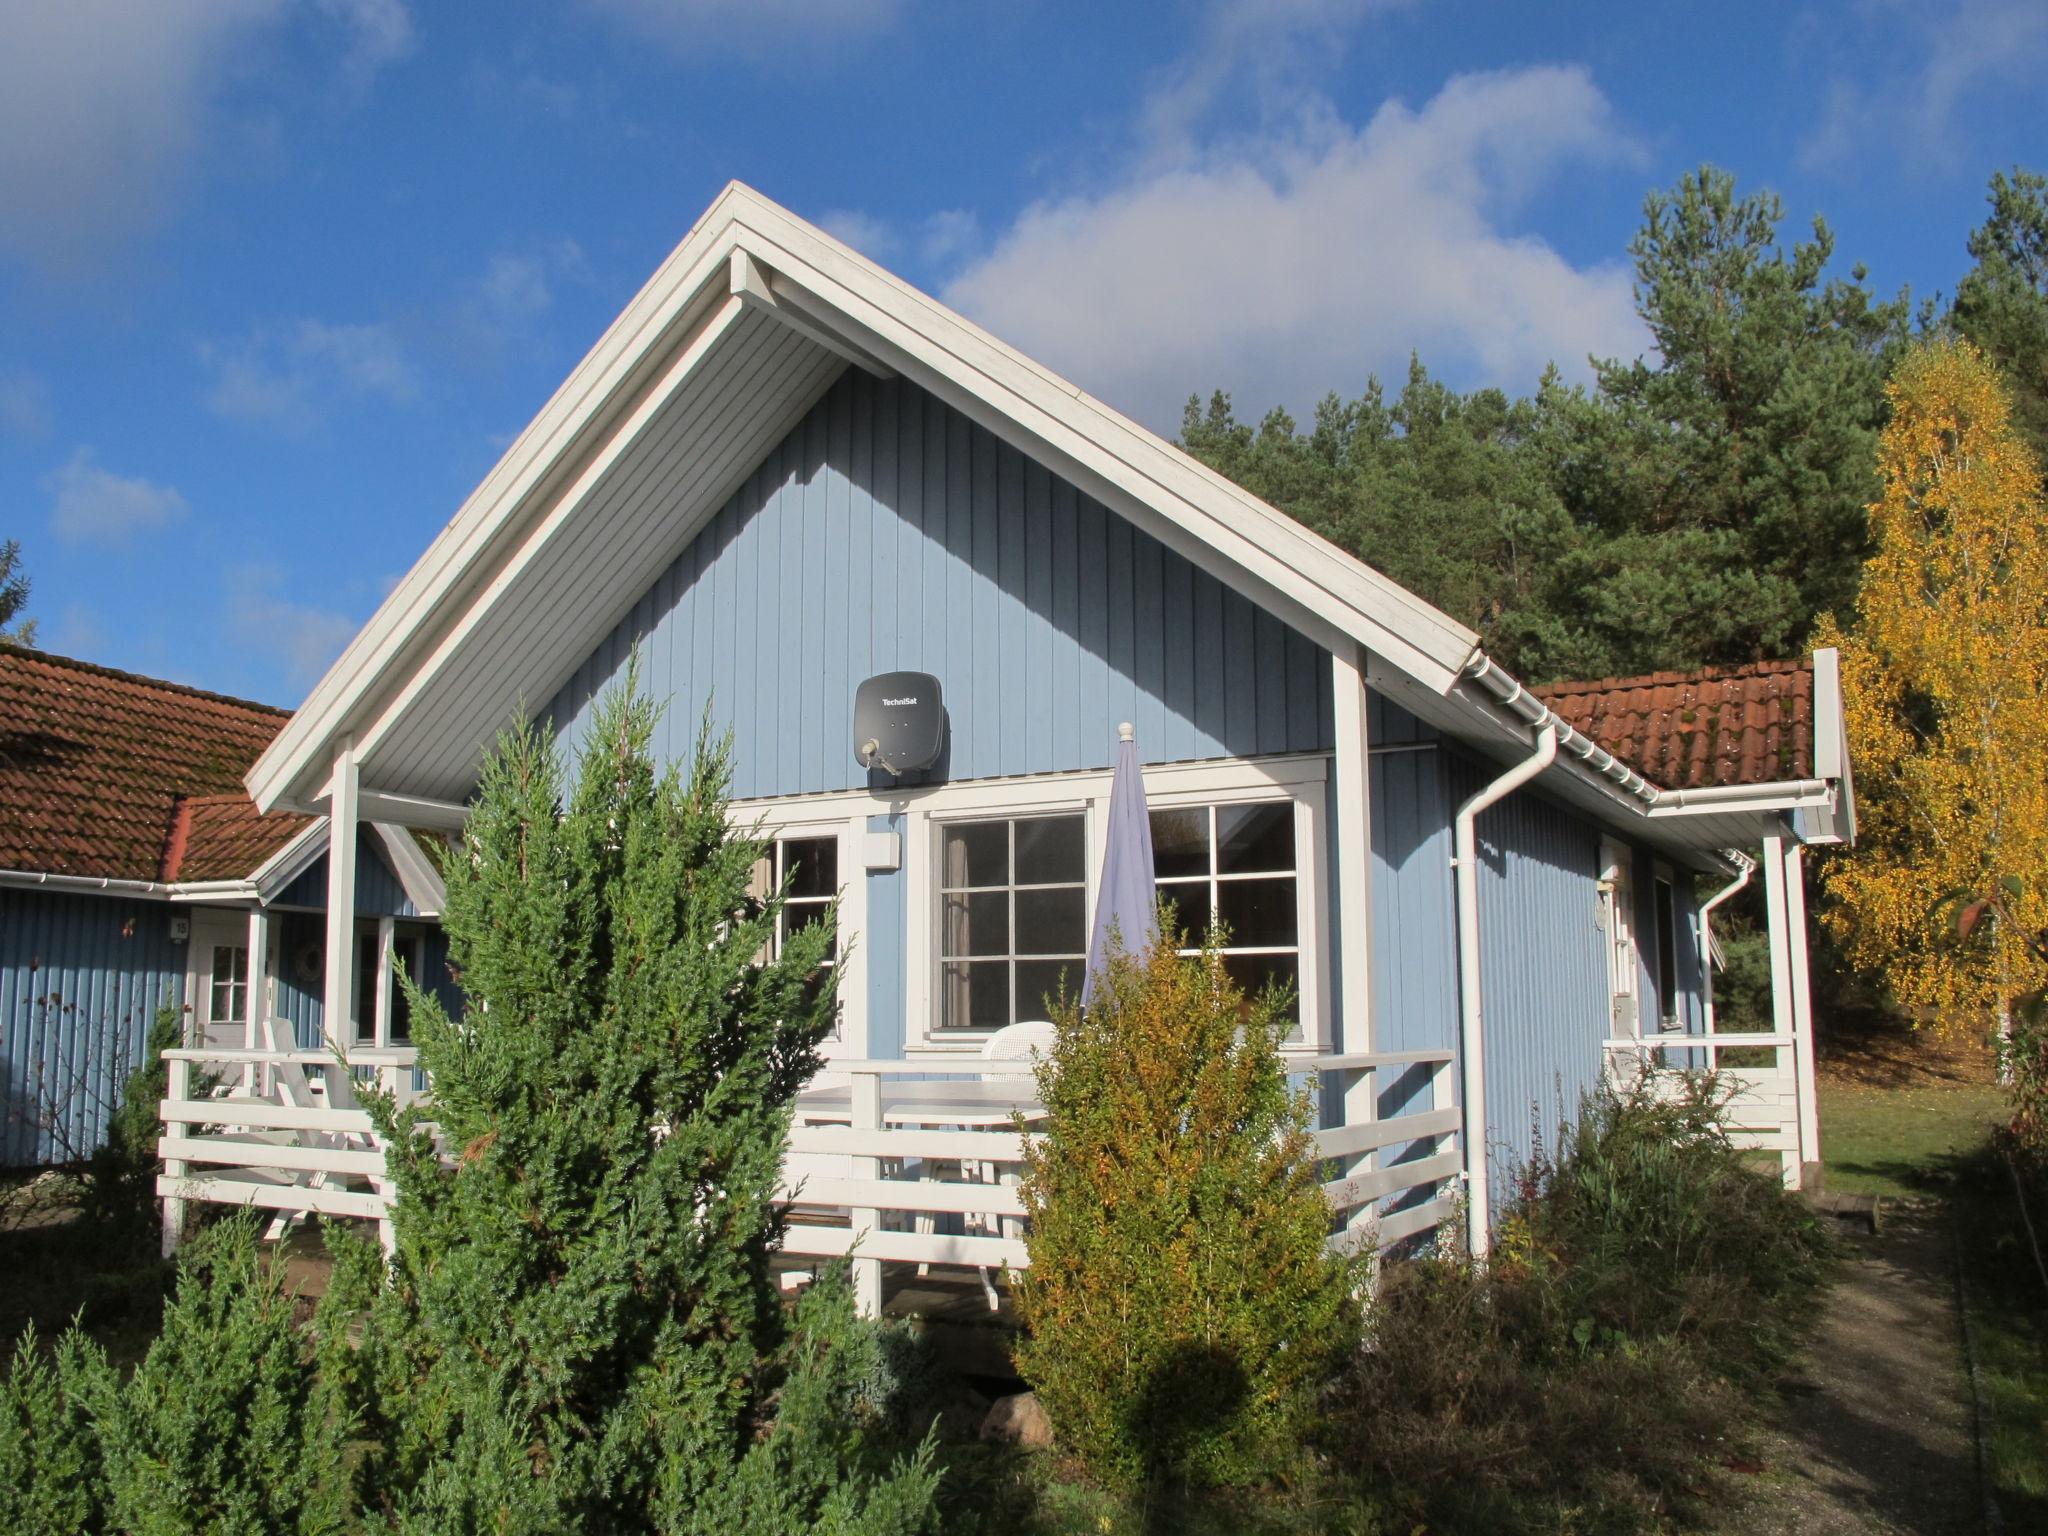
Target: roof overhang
{"type": "Point", "coordinates": [742, 329]}
{"type": "Point", "coordinates": [731, 342]}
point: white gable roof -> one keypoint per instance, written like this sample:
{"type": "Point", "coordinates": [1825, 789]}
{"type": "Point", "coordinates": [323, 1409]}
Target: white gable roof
{"type": "Point", "coordinates": [742, 329]}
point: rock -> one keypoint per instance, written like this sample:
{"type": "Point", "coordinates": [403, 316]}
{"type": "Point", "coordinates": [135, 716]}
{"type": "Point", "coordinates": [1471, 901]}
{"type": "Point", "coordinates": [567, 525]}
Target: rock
{"type": "Point", "coordinates": [1019, 1419]}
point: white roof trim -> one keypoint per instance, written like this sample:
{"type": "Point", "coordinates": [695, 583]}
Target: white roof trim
{"type": "Point", "coordinates": [414, 869]}
{"type": "Point", "coordinates": [813, 281]}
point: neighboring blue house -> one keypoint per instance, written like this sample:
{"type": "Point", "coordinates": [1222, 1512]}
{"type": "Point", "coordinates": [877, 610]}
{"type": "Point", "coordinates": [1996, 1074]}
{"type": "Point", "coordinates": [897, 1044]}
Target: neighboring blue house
{"type": "Point", "coordinates": [783, 471]}
{"type": "Point", "coordinates": [136, 874]}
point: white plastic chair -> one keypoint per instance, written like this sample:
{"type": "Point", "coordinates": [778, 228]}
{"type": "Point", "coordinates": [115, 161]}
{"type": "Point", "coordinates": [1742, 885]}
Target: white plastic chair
{"type": "Point", "coordinates": [1013, 1042]}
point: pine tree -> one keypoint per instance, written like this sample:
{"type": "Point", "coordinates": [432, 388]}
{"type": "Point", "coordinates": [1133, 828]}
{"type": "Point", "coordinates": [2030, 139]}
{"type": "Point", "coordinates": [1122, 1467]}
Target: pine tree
{"type": "Point", "coordinates": [582, 1332]}
{"type": "Point", "coordinates": [2002, 303]}
{"type": "Point", "coordinates": [14, 588]}
{"type": "Point", "coordinates": [1182, 1313]}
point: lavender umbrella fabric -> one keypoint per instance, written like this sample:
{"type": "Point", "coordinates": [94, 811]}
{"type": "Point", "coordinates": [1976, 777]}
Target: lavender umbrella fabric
{"type": "Point", "coordinates": [1126, 902]}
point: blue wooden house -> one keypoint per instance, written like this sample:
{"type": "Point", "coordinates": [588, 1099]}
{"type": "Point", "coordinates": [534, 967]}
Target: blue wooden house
{"type": "Point", "coordinates": [136, 874]}
{"type": "Point", "coordinates": [783, 471]}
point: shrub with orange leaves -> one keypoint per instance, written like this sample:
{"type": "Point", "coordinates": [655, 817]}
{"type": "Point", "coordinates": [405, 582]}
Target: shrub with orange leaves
{"type": "Point", "coordinates": [1945, 685]}
{"type": "Point", "coordinates": [1182, 1313]}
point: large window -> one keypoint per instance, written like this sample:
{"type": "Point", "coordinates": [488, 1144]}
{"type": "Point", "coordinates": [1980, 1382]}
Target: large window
{"type": "Point", "coordinates": [1013, 905]}
{"type": "Point", "coordinates": [811, 866]}
{"type": "Point", "coordinates": [1235, 864]}
{"type": "Point", "coordinates": [408, 950]}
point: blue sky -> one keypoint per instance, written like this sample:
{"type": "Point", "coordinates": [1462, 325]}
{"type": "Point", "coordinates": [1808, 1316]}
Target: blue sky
{"type": "Point", "coordinates": [279, 279]}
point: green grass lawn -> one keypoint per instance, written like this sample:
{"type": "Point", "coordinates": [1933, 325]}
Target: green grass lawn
{"type": "Point", "coordinates": [1928, 1136]}
{"type": "Point", "coordinates": [1903, 1141]}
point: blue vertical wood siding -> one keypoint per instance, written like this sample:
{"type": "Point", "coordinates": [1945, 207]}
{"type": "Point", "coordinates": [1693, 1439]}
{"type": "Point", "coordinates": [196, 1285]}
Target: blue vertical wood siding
{"type": "Point", "coordinates": [81, 978]}
{"type": "Point", "coordinates": [378, 891]}
{"type": "Point", "coordinates": [888, 532]}
{"type": "Point", "coordinates": [1543, 968]}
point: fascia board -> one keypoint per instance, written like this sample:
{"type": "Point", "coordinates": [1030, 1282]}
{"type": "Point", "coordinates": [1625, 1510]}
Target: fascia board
{"type": "Point", "coordinates": [290, 861]}
{"type": "Point", "coordinates": [567, 429]}
{"type": "Point", "coordinates": [520, 545]}
{"type": "Point", "coordinates": [414, 869]}
{"type": "Point", "coordinates": [929, 342]}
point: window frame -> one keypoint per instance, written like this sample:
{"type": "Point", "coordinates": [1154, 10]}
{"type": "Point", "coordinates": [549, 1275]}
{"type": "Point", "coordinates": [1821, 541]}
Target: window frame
{"type": "Point", "coordinates": [845, 818]}
{"type": "Point", "coordinates": [1010, 889]}
{"type": "Point", "coordinates": [778, 870]}
{"type": "Point", "coordinates": [1302, 779]}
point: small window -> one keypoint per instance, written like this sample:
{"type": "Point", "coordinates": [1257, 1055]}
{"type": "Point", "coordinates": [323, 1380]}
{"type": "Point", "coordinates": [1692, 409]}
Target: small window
{"type": "Point", "coordinates": [229, 1002]}
{"type": "Point", "coordinates": [811, 866]}
{"type": "Point", "coordinates": [1013, 918]}
{"type": "Point", "coordinates": [1667, 952]}
{"type": "Point", "coordinates": [1236, 864]}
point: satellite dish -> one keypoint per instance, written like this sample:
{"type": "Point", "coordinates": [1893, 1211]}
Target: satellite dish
{"type": "Point", "coordinates": [899, 722]}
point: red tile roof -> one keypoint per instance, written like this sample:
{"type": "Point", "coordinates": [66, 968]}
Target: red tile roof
{"type": "Point", "coordinates": [111, 775]}
{"type": "Point", "coordinates": [1686, 730]}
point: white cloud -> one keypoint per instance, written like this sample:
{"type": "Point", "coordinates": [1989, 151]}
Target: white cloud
{"type": "Point", "coordinates": [305, 635]}
{"type": "Point", "coordinates": [379, 33]}
{"type": "Point", "coordinates": [94, 505]}
{"type": "Point", "coordinates": [292, 375]}
{"type": "Point", "coordinates": [104, 104]}
{"type": "Point", "coordinates": [1908, 71]}
{"type": "Point", "coordinates": [694, 28]}
{"type": "Point", "coordinates": [77, 632]}
{"type": "Point", "coordinates": [1296, 259]}
{"type": "Point", "coordinates": [24, 405]}
{"type": "Point", "coordinates": [503, 306]}
{"type": "Point", "coordinates": [946, 237]}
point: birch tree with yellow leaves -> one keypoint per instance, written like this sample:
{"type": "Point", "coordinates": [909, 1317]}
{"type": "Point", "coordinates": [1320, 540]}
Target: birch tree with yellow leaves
{"type": "Point", "coordinates": [1945, 684]}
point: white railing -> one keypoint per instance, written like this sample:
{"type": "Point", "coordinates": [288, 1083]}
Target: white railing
{"type": "Point", "coordinates": [899, 1163]}
{"type": "Point", "coordinates": [279, 1130]}
{"type": "Point", "coordinates": [906, 1161]}
{"type": "Point", "coordinates": [1762, 1113]}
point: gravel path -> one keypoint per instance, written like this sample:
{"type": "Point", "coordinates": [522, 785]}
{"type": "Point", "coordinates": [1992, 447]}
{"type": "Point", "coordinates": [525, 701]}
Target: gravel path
{"type": "Point", "coordinates": [1878, 1433]}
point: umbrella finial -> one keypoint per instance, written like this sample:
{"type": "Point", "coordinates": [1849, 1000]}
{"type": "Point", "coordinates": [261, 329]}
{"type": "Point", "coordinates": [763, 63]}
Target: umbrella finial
{"type": "Point", "coordinates": [1125, 732]}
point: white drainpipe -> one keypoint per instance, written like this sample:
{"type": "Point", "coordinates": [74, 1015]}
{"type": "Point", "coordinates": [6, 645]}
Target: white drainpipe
{"type": "Point", "coordinates": [1471, 1026]}
{"type": "Point", "coordinates": [1707, 934]}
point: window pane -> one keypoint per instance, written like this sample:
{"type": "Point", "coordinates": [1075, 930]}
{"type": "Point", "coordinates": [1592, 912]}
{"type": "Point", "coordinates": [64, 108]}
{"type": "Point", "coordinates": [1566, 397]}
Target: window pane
{"type": "Point", "coordinates": [229, 963]}
{"type": "Point", "coordinates": [976, 925]}
{"type": "Point", "coordinates": [1051, 922]}
{"type": "Point", "coordinates": [1258, 913]}
{"type": "Point", "coordinates": [366, 988]}
{"type": "Point", "coordinates": [974, 996]}
{"type": "Point", "coordinates": [1255, 973]}
{"type": "Point", "coordinates": [799, 915]}
{"type": "Point", "coordinates": [976, 853]}
{"type": "Point", "coordinates": [1254, 837]}
{"type": "Point", "coordinates": [1188, 901]}
{"type": "Point", "coordinates": [812, 864]}
{"type": "Point", "coordinates": [1038, 985]}
{"type": "Point", "coordinates": [1051, 850]}
{"type": "Point", "coordinates": [1180, 842]}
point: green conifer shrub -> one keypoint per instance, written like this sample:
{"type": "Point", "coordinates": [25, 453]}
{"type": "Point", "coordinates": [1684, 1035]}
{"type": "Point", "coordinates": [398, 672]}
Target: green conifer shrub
{"type": "Point", "coordinates": [120, 1201]}
{"type": "Point", "coordinates": [1182, 1312]}
{"type": "Point", "coordinates": [581, 1330]}
{"type": "Point", "coordinates": [51, 1481]}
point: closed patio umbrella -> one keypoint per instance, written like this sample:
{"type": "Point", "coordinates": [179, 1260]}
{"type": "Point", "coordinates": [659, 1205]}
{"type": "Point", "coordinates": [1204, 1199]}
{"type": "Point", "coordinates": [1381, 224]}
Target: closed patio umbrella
{"type": "Point", "coordinates": [1126, 903]}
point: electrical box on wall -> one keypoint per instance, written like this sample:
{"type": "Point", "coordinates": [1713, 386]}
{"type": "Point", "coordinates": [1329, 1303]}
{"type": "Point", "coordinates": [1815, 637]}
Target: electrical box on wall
{"type": "Point", "coordinates": [899, 722]}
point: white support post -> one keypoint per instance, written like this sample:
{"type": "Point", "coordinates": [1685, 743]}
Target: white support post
{"type": "Point", "coordinates": [1784, 1009]}
{"type": "Point", "coordinates": [256, 992]}
{"type": "Point", "coordinates": [1351, 803]}
{"type": "Point", "coordinates": [342, 811]}
{"type": "Point", "coordinates": [177, 1086]}
{"type": "Point", "coordinates": [387, 949]}
{"type": "Point", "coordinates": [867, 1117]}
{"type": "Point", "coordinates": [1802, 1008]}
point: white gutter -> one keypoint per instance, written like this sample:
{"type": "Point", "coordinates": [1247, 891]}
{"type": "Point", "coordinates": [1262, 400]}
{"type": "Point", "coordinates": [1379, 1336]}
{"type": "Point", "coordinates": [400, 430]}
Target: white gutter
{"type": "Point", "coordinates": [151, 888]}
{"type": "Point", "coordinates": [1707, 930]}
{"type": "Point", "coordinates": [1471, 1020]}
{"type": "Point", "coordinates": [1519, 700]}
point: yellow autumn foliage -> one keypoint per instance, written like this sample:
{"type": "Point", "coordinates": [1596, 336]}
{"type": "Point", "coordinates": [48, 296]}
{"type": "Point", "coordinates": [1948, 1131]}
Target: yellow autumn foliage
{"type": "Point", "coordinates": [1945, 687]}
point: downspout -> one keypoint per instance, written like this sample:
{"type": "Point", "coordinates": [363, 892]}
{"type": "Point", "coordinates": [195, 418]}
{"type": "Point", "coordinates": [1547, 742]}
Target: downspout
{"type": "Point", "coordinates": [1707, 933]}
{"type": "Point", "coordinates": [1471, 1023]}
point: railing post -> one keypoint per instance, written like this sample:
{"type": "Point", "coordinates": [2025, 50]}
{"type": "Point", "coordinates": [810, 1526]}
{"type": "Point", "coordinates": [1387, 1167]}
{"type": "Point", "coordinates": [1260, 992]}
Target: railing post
{"type": "Point", "coordinates": [388, 1075]}
{"type": "Point", "coordinates": [177, 1086]}
{"type": "Point", "coordinates": [1361, 1107]}
{"type": "Point", "coordinates": [1441, 1097]}
{"type": "Point", "coordinates": [866, 1090]}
